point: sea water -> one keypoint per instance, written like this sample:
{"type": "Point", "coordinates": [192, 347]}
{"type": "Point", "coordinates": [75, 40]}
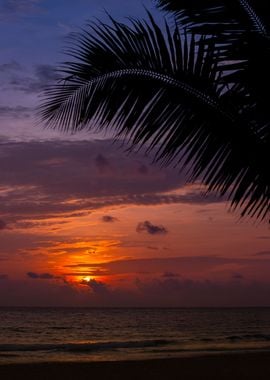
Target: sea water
{"type": "Point", "coordinates": [76, 334]}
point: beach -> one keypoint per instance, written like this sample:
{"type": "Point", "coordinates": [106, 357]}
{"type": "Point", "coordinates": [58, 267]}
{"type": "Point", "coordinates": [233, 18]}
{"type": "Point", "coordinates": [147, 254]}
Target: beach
{"type": "Point", "coordinates": [251, 365]}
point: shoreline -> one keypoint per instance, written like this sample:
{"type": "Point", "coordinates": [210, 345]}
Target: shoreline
{"type": "Point", "coordinates": [229, 366]}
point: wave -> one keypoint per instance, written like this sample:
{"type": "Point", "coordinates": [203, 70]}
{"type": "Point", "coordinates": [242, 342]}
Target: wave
{"type": "Point", "coordinates": [257, 337]}
{"type": "Point", "coordinates": [61, 328]}
{"type": "Point", "coordinates": [83, 347]}
{"type": "Point", "coordinates": [207, 344]}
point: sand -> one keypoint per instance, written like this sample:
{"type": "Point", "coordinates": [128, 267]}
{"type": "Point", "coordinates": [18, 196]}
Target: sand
{"type": "Point", "coordinates": [229, 366]}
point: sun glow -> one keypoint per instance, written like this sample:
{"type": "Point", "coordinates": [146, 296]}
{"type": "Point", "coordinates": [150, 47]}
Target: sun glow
{"type": "Point", "coordinates": [86, 279]}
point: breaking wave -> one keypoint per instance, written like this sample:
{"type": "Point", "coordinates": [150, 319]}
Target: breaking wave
{"type": "Point", "coordinates": [83, 347]}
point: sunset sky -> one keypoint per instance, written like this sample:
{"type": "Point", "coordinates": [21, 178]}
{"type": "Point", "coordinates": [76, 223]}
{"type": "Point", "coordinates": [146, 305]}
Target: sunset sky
{"type": "Point", "coordinates": [82, 223]}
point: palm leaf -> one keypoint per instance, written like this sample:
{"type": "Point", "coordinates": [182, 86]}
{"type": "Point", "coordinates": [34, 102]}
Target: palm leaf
{"type": "Point", "coordinates": [231, 17]}
{"type": "Point", "coordinates": [241, 29]}
{"type": "Point", "coordinates": [167, 91]}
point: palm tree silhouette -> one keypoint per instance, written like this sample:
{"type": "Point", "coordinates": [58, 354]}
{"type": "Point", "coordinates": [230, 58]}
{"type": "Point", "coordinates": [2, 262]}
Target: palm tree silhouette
{"type": "Point", "coordinates": [195, 94]}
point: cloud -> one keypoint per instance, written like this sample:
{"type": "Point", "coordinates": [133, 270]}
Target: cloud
{"type": "Point", "coordinates": [164, 287]}
{"type": "Point", "coordinates": [151, 228]}
{"type": "Point", "coordinates": [10, 66]}
{"type": "Point", "coordinates": [98, 287]}
{"type": "Point", "coordinates": [237, 276]}
{"type": "Point", "coordinates": [170, 275]}
{"type": "Point", "coordinates": [195, 264]}
{"type": "Point", "coordinates": [11, 9]}
{"type": "Point", "coordinates": [3, 277]}
{"type": "Point", "coordinates": [3, 225]}
{"type": "Point", "coordinates": [37, 224]}
{"type": "Point", "coordinates": [16, 112]}
{"type": "Point", "coordinates": [102, 163]}
{"type": "Point", "coordinates": [202, 293]}
{"type": "Point", "coordinates": [196, 267]}
{"type": "Point", "coordinates": [109, 219]}
{"type": "Point", "coordinates": [41, 76]}
{"type": "Point", "coordinates": [162, 292]}
{"type": "Point", "coordinates": [44, 75]}
{"type": "Point", "coordinates": [61, 171]}
{"type": "Point", "coordinates": [43, 293]}
{"type": "Point", "coordinates": [42, 276]}
{"type": "Point", "coordinates": [17, 78]}
{"type": "Point", "coordinates": [262, 253]}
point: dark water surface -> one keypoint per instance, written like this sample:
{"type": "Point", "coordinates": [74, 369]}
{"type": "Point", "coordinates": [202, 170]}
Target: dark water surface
{"type": "Point", "coordinates": [37, 334]}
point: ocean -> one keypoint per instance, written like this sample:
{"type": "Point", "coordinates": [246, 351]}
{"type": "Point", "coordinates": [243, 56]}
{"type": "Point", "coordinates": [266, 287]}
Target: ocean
{"type": "Point", "coordinates": [83, 334]}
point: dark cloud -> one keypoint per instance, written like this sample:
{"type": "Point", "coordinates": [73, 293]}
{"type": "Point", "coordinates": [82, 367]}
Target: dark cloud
{"type": "Point", "coordinates": [16, 112]}
{"type": "Point", "coordinates": [59, 171]}
{"type": "Point", "coordinates": [170, 275]}
{"type": "Point", "coordinates": [37, 224]}
{"type": "Point", "coordinates": [102, 163]}
{"type": "Point", "coordinates": [194, 266]}
{"type": "Point", "coordinates": [77, 214]}
{"type": "Point", "coordinates": [42, 276]}
{"type": "Point", "coordinates": [10, 66]}
{"type": "Point", "coordinates": [46, 73]}
{"type": "Point", "coordinates": [204, 211]}
{"type": "Point", "coordinates": [43, 75]}
{"type": "Point", "coordinates": [161, 292]}
{"type": "Point", "coordinates": [14, 77]}
{"type": "Point", "coordinates": [3, 225]}
{"type": "Point", "coordinates": [109, 219]}
{"type": "Point", "coordinates": [190, 293]}
{"type": "Point", "coordinates": [43, 293]}
{"type": "Point", "coordinates": [151, 228]}
{"type": "Point", "coordinates": [166, 287]}
{"type": "Point", "coordinates": [3, 277]}
{"type": "Point", "coordinates": [263, 237]}
{"type": "Point", "coordinates": [162, 265]}
{"type": "Point", "coordinates": [200, 197]}
{"type": "Point", "coordinates": [11, 9]}
{"type": "Point", "coordinates": [262, 253]}
{"type": "Point", "coordinates": [77, 274]}
{"type": "Point", "coordinates": [143, 169]}
{"type": "Point", "coordinates": [98, 287]}
{"type": "Point", "coordinates": [237, 276]}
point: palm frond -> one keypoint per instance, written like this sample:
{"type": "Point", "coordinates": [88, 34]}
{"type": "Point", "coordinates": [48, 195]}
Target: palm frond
{"type": "Point", "coordinates": [230, 17]}
{"type": "Point", "coordinates": [242, 29]}
{"type": "Point", "coordinates": [167, 90]}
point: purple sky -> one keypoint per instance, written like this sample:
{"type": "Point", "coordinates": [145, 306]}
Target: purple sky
{"type": "Point", "coordinates": [34, 34]}
{"type": "Point", "coordinates": [82, 223]}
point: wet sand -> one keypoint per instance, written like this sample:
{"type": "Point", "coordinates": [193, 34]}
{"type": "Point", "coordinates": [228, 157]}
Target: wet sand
{"type": "Point", "coordinates": [228, 366]}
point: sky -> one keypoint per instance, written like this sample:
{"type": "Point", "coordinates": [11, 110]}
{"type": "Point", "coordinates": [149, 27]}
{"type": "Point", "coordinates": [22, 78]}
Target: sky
{"type": "Point", "coordinates": [82, 223]}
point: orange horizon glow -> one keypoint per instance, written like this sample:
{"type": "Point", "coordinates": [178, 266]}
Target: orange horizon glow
{"type": "Point", "coordinates": [135, 242]}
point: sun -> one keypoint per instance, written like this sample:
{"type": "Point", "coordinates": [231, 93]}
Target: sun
{"type": "Point", "coordinates": [86, 279]}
